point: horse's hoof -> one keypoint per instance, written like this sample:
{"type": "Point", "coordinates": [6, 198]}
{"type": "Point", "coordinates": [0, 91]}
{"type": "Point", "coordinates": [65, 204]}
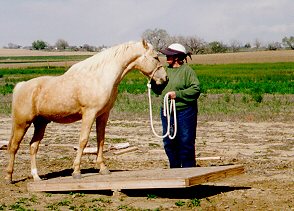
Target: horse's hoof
{"type": "Point", "coordinates": [77, 175]}
{"type": "Point", "coordinates": [8, 181]}
{"type": "Point", "coordinates": [37, 179]}
{"type": "Point", "coordinates": [104, 172]}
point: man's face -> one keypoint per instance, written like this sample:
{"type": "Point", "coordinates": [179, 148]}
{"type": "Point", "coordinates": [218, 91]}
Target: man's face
{"type": "Point", "coordinates": [170, 59]}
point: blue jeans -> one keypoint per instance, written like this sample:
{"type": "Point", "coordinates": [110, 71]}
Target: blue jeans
{"type": "Point", "coordinates": [181, 150]}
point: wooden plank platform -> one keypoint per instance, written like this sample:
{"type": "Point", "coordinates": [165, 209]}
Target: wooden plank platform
{"type": "Point", "coordinates": [141, 179]}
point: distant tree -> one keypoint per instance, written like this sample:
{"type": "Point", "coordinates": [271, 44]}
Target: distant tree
{"type": "Point", "coordinates": [193, 44]}
{"type": "Point", "coordinates": [13, 46]}
{"type": "Point", "coordinates": [39, 45]}
{"type": "Point", "coordinates": [247, 45]}
{"type": "Point", "coordinates": [235, 46]}
{"type": "Point", "coordinates": [176, 39]}
{"type": "Point", "coordinates": [274, 46]}
{"type": "Point", "coordinates": [257, 43]}
{"type": "Point", "coordinates": [156, 37]}
{"type": "Point", "coordinates": [61, 44]}
{"type": "Point", "coordinates": [217, 47]}
{"type": "Point", "coordinates": [288, 42]}
{"type": "Point", "coordinates": [89, 48]}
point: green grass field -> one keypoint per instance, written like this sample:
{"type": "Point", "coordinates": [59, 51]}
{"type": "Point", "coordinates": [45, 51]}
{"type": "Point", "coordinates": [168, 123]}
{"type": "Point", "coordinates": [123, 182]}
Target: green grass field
{"type": "Point", "coordinates": [264, 78]}
{"type": "Point", "coordinates": [270, 78]}
{"type": "Point", "coordinates": [265, 89]}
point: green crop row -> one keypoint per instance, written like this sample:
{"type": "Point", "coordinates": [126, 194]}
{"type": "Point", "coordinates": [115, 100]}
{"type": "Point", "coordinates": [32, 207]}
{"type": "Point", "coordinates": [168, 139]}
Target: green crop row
{"type": "Point", "coordinates": [270, 78]}
{"type": "Point", "coordinates": [12, 72]}
{"type": "Point", "coordinates": [247, 78]}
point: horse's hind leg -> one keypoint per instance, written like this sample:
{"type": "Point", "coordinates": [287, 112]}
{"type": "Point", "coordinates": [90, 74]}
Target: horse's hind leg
{"type": "Point", "coordinates": [18, 132]}
{"type": "Point", "coordinates": [40, 126]}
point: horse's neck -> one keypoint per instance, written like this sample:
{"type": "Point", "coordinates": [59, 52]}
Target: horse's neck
{"type": "Point", "coordinates": [124, 58]}
{"type": "Point", "coordinates": [112, 64]}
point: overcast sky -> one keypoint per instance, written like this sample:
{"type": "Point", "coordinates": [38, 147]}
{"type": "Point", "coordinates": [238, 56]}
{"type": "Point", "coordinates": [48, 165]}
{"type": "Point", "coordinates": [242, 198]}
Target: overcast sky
{"type": "Point", "coordinates": [110, 22]}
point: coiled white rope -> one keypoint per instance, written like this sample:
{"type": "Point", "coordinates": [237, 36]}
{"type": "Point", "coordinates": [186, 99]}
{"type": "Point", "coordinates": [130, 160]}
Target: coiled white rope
{"type": "Point", "coordinates": [167, 110]}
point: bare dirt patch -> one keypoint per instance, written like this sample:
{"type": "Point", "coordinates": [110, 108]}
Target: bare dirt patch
{"type": "Point", "coordinates": [266, 149]}
{"type": "Point", "coordinates": [245, 57]}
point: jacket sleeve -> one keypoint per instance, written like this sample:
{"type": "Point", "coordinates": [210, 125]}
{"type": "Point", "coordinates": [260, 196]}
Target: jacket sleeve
{"type": "Point", "coordinates": [157, 89]}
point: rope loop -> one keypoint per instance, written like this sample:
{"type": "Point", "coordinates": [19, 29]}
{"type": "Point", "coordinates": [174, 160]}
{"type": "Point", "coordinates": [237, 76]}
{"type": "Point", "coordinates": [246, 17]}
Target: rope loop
{"type": "Point", "coordinates": [167, 112]}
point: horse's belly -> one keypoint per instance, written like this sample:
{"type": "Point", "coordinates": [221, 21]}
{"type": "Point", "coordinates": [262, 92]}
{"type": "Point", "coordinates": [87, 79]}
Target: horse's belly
{"type": "Point", "coordinates": [60, 112]}
{"type": "Point", "coordinates": [62, 118]}
{"type": "Point", "coordinates": [67, 119]}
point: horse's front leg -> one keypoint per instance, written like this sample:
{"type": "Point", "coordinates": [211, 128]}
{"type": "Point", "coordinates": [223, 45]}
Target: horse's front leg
{"type": "Point", "coordinates": [87, 122]}
{"type": "Point", "coordinates": [101, 122]}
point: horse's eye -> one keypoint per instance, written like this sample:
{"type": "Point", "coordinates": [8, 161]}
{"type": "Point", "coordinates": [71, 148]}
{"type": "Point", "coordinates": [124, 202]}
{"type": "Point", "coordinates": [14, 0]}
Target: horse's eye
{"type": "Point", "coordinates": [156, 57]}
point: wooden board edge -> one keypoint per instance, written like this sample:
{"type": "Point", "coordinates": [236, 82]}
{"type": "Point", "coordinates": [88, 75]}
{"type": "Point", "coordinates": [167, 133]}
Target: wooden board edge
{"type": "Point", "coordinates": [110, 185]}
{"type": "Point", "coordinates": [213, 176]}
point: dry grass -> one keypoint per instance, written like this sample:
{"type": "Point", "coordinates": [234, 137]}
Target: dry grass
{"type": "Point", "coordinates": [245, 57]}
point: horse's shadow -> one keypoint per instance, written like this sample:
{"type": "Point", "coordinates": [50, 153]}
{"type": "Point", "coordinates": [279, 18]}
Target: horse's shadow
{"type": "Point", "coordinates": [61, 173]}
{"type": "Point", "coordinates": [198, 191]}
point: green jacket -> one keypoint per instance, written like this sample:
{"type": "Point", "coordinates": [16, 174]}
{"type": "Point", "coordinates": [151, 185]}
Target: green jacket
{"type": "Point", "coordinates": [183, 80]}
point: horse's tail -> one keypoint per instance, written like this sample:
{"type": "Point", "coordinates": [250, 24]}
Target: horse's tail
{"type": "Point", "coordinates": [15, 93]}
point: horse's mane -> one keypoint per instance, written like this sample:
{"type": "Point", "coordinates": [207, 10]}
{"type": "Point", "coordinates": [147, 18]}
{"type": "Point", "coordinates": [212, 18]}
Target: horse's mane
{"type": "Point", "coordinates": [106, 56]}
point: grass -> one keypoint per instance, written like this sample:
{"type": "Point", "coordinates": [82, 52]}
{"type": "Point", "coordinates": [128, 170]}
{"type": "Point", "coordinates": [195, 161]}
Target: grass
{"type": "Point", "coordinates": [261, 91]}
{"type": "Point", "coordinates": [259, 78]}
{"type": "Point", "coordinates": [16, 72]}
{"type": "Point", "coordinates": [229, 106]}
{"type": "Point", "coordinates": [270, 78]}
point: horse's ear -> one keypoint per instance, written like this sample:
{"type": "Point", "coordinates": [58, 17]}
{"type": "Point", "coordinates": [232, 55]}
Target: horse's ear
{"type": "Point", "coordinates": [145, 44]}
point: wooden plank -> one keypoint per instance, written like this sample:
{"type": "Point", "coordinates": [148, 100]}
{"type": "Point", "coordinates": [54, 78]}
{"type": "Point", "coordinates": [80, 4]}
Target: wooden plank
{"type": "Point", "coordinates": [208, 158]}
{"type": "Point", "coordinates": [119, 146]}
{"type": "Point", "coordinates": [213, 176]}
{"type": "Point", "coordinates": [122, 151]}
{"type": "Point", "coordinates": [141, 179]}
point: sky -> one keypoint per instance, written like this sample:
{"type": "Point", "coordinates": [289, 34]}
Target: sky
{"type": "Point", "coordinates": [110, 22]}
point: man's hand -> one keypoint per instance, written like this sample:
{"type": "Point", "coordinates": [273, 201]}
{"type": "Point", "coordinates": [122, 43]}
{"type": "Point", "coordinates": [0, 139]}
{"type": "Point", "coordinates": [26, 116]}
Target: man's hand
{"type": "Point", "coordinates": [172, 94]}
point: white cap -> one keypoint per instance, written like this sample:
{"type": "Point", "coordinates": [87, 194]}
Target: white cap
{"type": "Point", "coordinates": [174, 49]}
{"type": "Point", "coordinates": [178, 47]}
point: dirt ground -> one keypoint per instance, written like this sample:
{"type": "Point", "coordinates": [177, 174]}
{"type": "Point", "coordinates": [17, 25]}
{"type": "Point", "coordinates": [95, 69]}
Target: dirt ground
{"type": "Point", "coordinates": [266, 149]}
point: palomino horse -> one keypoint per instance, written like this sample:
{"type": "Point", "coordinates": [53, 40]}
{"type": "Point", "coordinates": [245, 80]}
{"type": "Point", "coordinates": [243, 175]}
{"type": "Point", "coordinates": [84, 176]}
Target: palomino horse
{"type": "Point", "coordinates": [86, 92]}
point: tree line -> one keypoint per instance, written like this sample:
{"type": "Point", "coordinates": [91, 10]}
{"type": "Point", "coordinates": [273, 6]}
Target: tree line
{"type": "Point", "coordinates": [160, 38]}
{"type": "Point", "coordinates": [60, 45]}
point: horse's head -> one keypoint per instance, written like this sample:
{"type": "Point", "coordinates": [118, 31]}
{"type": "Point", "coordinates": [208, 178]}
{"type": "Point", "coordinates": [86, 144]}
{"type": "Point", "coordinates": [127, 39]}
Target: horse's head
{"type": "Point", "coordinates": [148, 63]}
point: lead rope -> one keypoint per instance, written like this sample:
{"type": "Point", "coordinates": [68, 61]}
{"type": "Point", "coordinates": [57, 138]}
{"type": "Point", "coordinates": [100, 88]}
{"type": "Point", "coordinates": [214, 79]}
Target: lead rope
{"type": "Point", "coordinates": [167, 110]}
